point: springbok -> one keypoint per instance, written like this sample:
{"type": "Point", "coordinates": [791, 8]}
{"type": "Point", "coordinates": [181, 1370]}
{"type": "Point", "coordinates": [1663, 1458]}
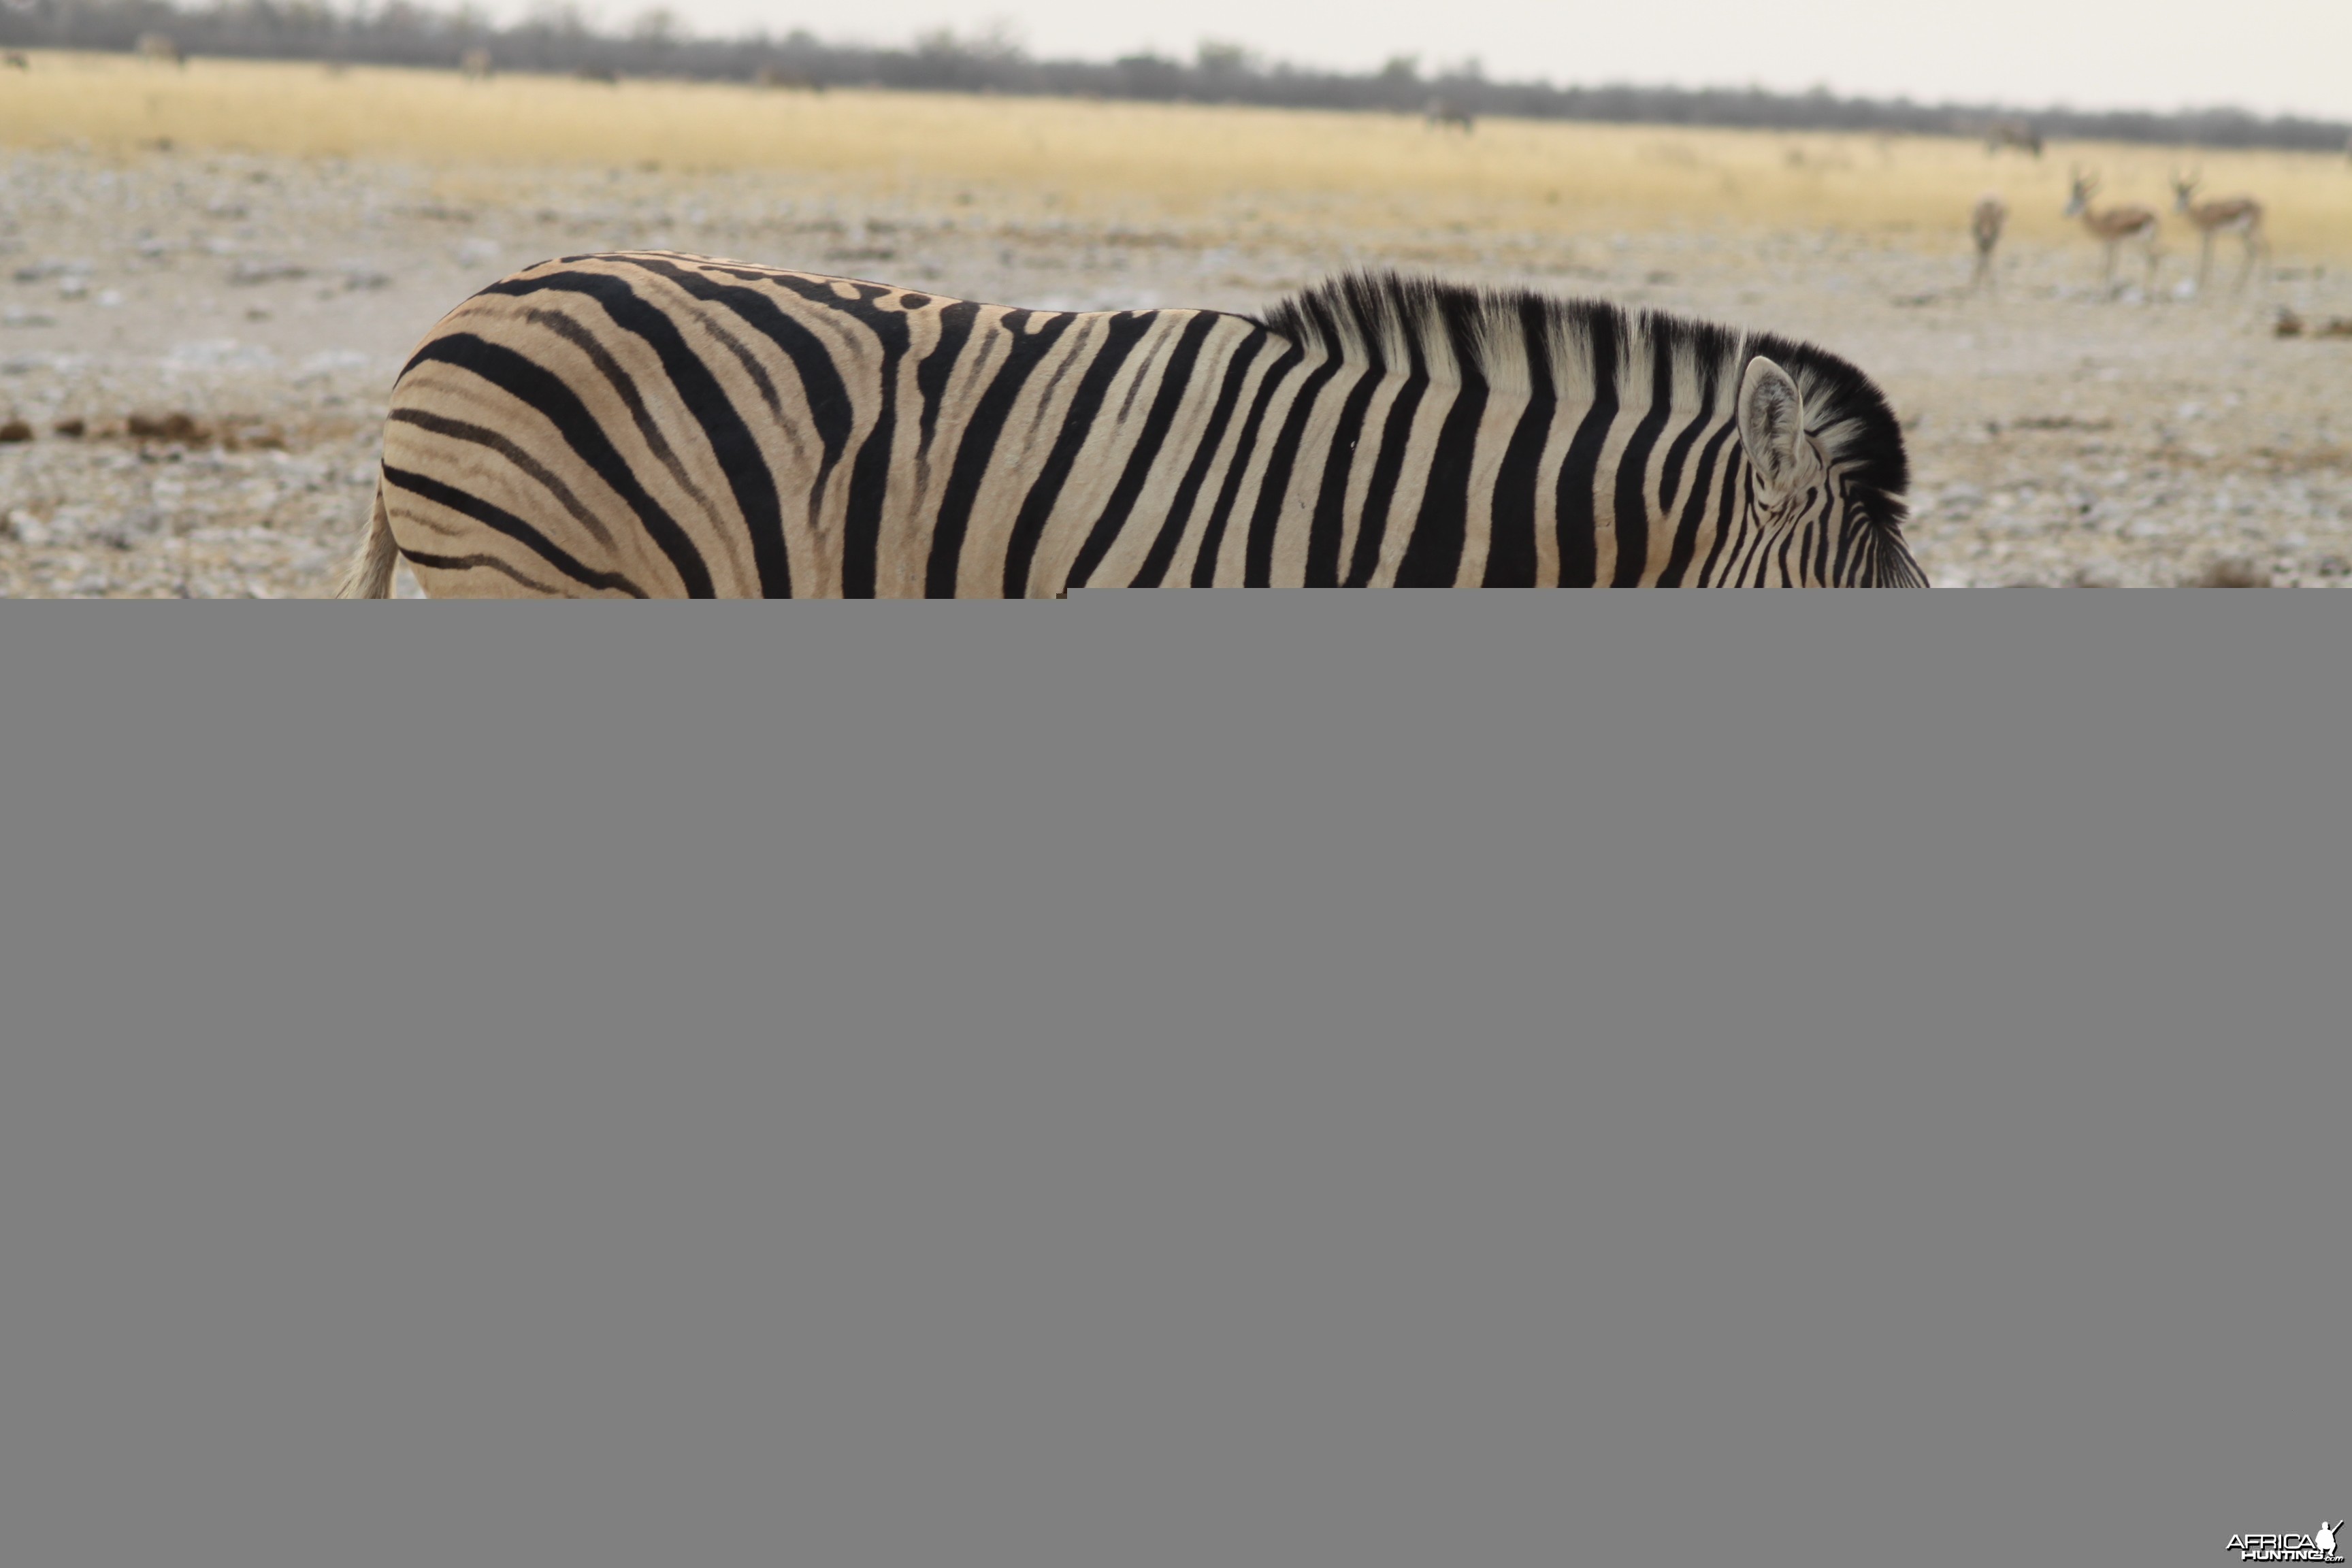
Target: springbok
{"type": "Point", "coordinates": [2241, 216]}
{"type": "Point", "coordinates": [1984, 225]}
{"type": "Point", "coordinates": [2114, 225]}
{"type": "Point", "coordinates": [158, 48]}
{"type": "Point", "coordinates": [2017, 133]}
{"type": "Point", "coordinates": [474, 65]}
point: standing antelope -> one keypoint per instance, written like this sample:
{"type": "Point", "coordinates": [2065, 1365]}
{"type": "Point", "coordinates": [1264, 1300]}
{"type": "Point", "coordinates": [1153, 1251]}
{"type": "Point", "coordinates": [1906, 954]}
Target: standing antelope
{"type": "Point", "coordinates": [2241, 216]}
{"type": "Point", "coordinates": [1442, 113]}
{"type": "Point", "coordinates": [2017, 133]}
{"type": "Point", "coordinates": [1984, 225]}
{"type": "Point", "coordinates": [2114, 225]}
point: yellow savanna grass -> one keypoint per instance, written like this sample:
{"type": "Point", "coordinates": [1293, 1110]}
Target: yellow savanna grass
{"type": "Point", "coordinates": [1083, 158]}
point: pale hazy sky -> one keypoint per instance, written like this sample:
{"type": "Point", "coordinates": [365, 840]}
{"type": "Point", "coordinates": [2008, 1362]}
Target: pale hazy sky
{"type": "Point", "coordinates": [2270, 55]}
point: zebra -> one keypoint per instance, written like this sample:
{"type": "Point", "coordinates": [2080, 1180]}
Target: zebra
{"type": "Point", "coordinates": [650, 423]}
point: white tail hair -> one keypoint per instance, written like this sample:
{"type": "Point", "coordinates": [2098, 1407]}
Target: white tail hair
{"type": "Point", "coordinates": [369, 576]}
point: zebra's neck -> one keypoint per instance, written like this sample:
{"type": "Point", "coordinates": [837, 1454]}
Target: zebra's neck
{"type": "Point", "coordinates": [1517, 344]}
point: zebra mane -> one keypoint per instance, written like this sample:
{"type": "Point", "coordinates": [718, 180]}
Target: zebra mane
{"type": "Point", "coordinates": [1452, 333]}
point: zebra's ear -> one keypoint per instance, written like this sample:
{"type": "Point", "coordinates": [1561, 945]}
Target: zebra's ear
{"type": "Point", "coordinates": [1771, 426]}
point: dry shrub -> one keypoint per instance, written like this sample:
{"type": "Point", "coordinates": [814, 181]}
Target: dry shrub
{"type": "Point", "coordinates": [183, 429]}
{"type": "Point", "coordinates": [236, 434]}
{"type": "Point", "coordinates": [2234, 571]}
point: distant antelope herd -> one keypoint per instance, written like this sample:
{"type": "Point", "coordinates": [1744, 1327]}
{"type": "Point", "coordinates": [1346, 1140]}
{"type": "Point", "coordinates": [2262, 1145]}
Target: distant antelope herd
{"type": "Point", "coordinates": [2129, 223]}
{"type": "Point", "coordinates": [2123, 224]}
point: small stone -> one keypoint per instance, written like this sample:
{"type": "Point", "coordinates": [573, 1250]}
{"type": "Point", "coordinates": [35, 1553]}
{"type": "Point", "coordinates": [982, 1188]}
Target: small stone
{"type": "Point", "coordinates": [126, 532]}
{"type": "Point", "coordinates": [254, 436]}
{"type": "Point", "coordinates": [248, 274]}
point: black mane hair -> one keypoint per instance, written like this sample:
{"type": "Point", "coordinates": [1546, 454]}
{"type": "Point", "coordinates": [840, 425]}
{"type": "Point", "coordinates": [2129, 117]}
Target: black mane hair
{"type": "Point", "coordinates": [1450, 332]}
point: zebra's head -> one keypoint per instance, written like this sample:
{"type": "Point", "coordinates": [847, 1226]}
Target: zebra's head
{"type": "Point", "coordinates": [1808, 517]}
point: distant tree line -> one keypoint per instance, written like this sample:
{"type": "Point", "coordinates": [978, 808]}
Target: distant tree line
{"type": "Point", "coordinates": [556, 38]}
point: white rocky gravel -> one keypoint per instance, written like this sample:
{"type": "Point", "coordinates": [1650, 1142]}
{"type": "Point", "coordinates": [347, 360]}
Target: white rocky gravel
{"type": "Point", "coordinates": [195, 351]}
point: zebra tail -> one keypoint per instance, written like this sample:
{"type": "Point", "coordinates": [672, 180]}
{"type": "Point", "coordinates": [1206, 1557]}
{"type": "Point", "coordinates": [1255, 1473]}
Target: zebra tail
{"type": "Point", "coordinates": [369, 576]}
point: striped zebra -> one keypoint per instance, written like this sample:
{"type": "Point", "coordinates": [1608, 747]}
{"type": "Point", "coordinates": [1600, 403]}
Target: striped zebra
{"type": "Point", "coordinates": [654, 425]}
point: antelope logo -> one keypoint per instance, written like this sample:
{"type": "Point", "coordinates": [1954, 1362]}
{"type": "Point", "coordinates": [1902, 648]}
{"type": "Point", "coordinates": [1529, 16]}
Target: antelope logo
{"type": "Point", "coordinates": [2319, 1546]}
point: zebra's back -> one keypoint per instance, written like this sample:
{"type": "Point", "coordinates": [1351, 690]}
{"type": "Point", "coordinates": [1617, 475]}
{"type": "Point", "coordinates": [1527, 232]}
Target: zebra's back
{"type": "Point", "coordinates": [659, 425]}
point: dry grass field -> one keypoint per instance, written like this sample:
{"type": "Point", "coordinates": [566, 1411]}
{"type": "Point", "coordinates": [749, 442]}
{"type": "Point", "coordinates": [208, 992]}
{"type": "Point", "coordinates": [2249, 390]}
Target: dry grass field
{"type": "Point", "coordinates": [1112, 161]}
{"type": "Point", "coordinates": [252, 247]}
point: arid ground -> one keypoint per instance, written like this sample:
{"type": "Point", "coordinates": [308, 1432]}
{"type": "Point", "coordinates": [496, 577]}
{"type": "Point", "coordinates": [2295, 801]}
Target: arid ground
{"type": "Point", "coordinates": [210, 275]}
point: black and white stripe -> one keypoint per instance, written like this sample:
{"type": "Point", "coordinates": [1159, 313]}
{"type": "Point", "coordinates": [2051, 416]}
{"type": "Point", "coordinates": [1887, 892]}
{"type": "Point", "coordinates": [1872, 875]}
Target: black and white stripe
{"type": "Point", "coordinates": [658, 425]}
